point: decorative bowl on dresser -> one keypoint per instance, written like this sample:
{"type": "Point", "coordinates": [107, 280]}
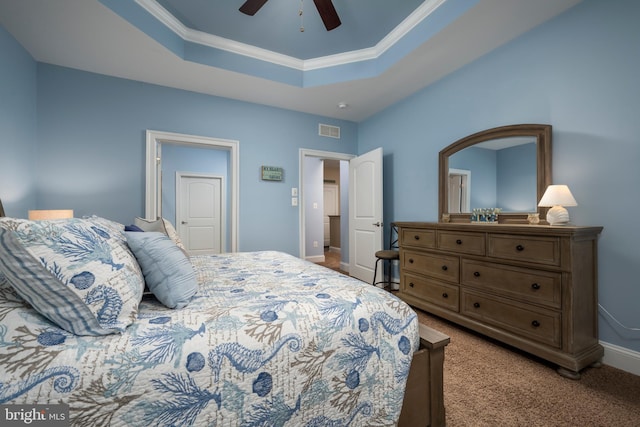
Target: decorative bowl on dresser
{"type": "Point", "coordinates": [533, 287]}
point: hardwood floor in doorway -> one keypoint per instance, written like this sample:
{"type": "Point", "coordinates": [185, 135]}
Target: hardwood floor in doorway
{"type": "Point", "coordinates": [332, 261]}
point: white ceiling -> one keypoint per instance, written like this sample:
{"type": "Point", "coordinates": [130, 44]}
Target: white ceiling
{"type": "Point", "coordinates": [87, 35]}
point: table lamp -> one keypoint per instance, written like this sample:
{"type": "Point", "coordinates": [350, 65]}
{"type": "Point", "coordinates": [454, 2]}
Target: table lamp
{"type": "Point", "coordinates": [556, 197]}
{"type": "Point", "coordinates": [36, 215]}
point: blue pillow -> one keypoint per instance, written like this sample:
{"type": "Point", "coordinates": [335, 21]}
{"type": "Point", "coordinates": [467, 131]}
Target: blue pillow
{"type": "Point", "coordinates": [166, 269]}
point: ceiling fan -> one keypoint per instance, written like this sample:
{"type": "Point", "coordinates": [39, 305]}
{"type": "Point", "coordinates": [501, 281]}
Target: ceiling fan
{"type": "Point", "coordinates": [325, 9]}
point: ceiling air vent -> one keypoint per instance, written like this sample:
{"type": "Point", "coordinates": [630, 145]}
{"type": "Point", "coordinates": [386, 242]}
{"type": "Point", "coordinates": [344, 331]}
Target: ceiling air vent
{"type": "Point", "coordinates": [329, 131]}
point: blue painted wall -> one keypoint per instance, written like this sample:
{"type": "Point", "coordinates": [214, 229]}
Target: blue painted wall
{"type": "Point", "coordinates": [92, 145]}
{"type": "Point", "coordinates": [18, 130]}
{"type": "Point", "coordinates": [579, 73]}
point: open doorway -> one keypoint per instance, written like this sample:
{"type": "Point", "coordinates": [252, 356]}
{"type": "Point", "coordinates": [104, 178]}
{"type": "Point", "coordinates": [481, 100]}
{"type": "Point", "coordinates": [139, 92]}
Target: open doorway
{"type": "Point", "coordinates": [332, 218]}
{"type": "Point", "coordinates": [363, 201]}
{"type": "Point", "coordinates": [322, 175]}
{"type": "Point", "coordinates": [157, 140]}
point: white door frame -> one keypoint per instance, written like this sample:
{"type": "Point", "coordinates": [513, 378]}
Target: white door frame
{"type": "Point", "coordinates": [304, 152]}
{"type": "Point", "coordinates": [223, 205]}
{"type": "Point", "coordinates": [152, 188]}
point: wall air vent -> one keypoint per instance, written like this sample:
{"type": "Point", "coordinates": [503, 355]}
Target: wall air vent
{"type": "Point", "coordinates": [329, 131]}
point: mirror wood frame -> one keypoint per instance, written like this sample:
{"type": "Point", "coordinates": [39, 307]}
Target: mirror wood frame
{"type": "Point", "coordinates": [541, 132]}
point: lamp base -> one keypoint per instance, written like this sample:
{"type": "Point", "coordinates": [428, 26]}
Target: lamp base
{"type": "Point", "coordinates": [558, 215]}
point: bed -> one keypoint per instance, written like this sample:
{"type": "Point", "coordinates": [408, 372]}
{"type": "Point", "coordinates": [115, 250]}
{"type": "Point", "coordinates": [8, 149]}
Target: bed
{"type": "Point", "coordinates": [127, 330]}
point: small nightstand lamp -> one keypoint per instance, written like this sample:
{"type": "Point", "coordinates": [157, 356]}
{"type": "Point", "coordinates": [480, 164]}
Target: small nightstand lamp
{"type": "Point", "coordinates": [557, 196]}
{"type": "Point", "coordinates": [36, 215]}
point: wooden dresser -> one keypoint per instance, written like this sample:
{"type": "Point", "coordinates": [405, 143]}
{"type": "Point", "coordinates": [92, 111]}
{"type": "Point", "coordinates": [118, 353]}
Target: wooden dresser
{"type": "Point", "coordinates": [533, 287]}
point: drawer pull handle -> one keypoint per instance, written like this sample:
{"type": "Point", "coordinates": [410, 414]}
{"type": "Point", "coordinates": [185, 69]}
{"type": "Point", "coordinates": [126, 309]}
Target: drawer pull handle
{"type": "Point", "coordinates": [445, 295]}
{"type": "Point", "coordinates": [410, 260]}
{"type": "Point", "coordinates": [416, 237]}
{"type": "Point", "coordinates": [458, 242]}
{"type": "Point", "coordinates": [476, 273]}
{"type": "Point", "coordinates": [411, 285]}
{"type": "Point", "coordinates": [445, 268]}
{"type": "Point", "coordinates": [476, 304]}
{"type": "Point", "coordinates": [535, 286]}
{"type": "Point", "coordinates": [519, 248]}
{"type": "Point", "coordinates": [535, 324]}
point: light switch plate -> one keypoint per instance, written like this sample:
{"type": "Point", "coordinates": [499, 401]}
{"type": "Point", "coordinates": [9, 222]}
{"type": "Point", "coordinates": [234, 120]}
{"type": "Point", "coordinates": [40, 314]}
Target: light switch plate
{"type": "Point", "coordinates": [294, 192]}
{"type": "Point", "coordinates": [294, 201]}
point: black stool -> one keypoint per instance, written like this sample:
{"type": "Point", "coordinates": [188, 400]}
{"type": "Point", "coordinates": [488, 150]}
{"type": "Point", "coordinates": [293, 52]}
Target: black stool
{"type": "Point", "coordinates": [391, 254]}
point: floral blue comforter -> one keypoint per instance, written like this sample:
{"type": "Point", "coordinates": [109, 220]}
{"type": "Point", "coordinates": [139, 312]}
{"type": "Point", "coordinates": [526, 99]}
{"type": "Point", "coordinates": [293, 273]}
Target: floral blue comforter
{"type": "Point", "coordinates": [268, 340]}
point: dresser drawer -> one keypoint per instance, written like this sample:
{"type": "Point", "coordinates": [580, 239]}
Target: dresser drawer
{"type": "Point", "coordinates": [541, 250]}
{"type": "Point", "coordinates": [433, 265]}
{"type": "Point", "coordinates": [536, 286]}
{"type": "Point", "coordinates": [417, 238]}
{"type": "Point", "coordinates": [530, 322]}
{"type": "Point", "coordinates": [431, 291]}
{"type": "Point", "coordinates": [466, 243]}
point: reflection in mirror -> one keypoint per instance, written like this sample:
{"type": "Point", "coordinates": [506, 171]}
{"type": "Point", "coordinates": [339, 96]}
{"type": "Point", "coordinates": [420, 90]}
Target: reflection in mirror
{"type": "Point", "coordinates": [510, 166]}
{"type": "Point", "coordinates": [504, 172]}
{"type": "Point", "coordinates": [459, 190]}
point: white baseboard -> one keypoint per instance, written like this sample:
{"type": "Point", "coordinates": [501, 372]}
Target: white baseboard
{"type": "Point", "coordinates": [344, 266]}
{"type": "Point", "coordinates": [621, 358]}
{"type": "Point", "coordinates": [335, 250]}
{"type": "Point", "coordinates": [315, 259]}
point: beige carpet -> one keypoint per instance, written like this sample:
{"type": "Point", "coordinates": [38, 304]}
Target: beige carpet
{"type": "Point", "coordinates": [488, 384]}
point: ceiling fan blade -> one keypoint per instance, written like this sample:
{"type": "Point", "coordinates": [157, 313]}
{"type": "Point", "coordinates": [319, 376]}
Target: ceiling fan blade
{"type": "Point", "coordinates": [328, 14]}
{"type": "Point", "coordinates": [250, 7]}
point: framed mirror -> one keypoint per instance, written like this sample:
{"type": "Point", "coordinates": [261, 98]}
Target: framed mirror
{"type": "Point", "coordinates": [507, 167]}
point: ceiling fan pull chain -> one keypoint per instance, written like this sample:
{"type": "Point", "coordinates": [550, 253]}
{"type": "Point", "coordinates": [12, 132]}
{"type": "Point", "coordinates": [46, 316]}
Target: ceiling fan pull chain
{"type": "Point", "coordinates": [300, 12]}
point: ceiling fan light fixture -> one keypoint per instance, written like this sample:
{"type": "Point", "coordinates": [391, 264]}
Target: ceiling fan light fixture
{"type": "Point", "coordinates": [325, 8]}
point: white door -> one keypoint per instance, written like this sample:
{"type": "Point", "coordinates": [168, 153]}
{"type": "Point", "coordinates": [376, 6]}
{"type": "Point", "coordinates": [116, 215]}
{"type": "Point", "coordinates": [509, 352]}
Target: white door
{"type": "Point", "coordinates": [331, 202]}
{"type": "Point", "coordinates": [365, 213]}
{"type": "Point", "coordinates": [199, 212]}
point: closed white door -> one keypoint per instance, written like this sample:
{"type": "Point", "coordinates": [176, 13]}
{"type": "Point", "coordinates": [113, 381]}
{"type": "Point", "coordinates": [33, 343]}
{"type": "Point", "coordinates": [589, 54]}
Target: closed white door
{"type": "Point", "coordinates": [365, 213]}
{"type": "Point", "coordinates": [199, 212]}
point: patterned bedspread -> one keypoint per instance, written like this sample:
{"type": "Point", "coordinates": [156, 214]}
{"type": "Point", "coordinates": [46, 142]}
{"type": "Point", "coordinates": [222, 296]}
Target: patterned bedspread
{"type": "Point", "coordinates": [268, 339]}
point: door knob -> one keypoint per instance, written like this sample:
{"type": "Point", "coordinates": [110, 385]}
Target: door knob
{"type": "Point", "coordinates": [378, 224]}
{"type": "Point", "coordinates": [184, 222]}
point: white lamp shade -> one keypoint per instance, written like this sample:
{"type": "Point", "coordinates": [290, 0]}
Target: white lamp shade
{"type": "Point", "coordinates": [37, 215]}
{"type": "Point", "coordinates": [557, 195]}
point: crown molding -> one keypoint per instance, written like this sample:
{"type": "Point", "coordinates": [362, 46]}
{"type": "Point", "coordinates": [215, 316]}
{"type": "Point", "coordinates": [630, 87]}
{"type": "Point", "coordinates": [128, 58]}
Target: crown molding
{"type": "Point", "coordinates": [216, 42]}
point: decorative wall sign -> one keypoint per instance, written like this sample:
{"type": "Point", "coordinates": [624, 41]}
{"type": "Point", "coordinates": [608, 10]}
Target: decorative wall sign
{"type": "Point", "coordinates": [271, 173]}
